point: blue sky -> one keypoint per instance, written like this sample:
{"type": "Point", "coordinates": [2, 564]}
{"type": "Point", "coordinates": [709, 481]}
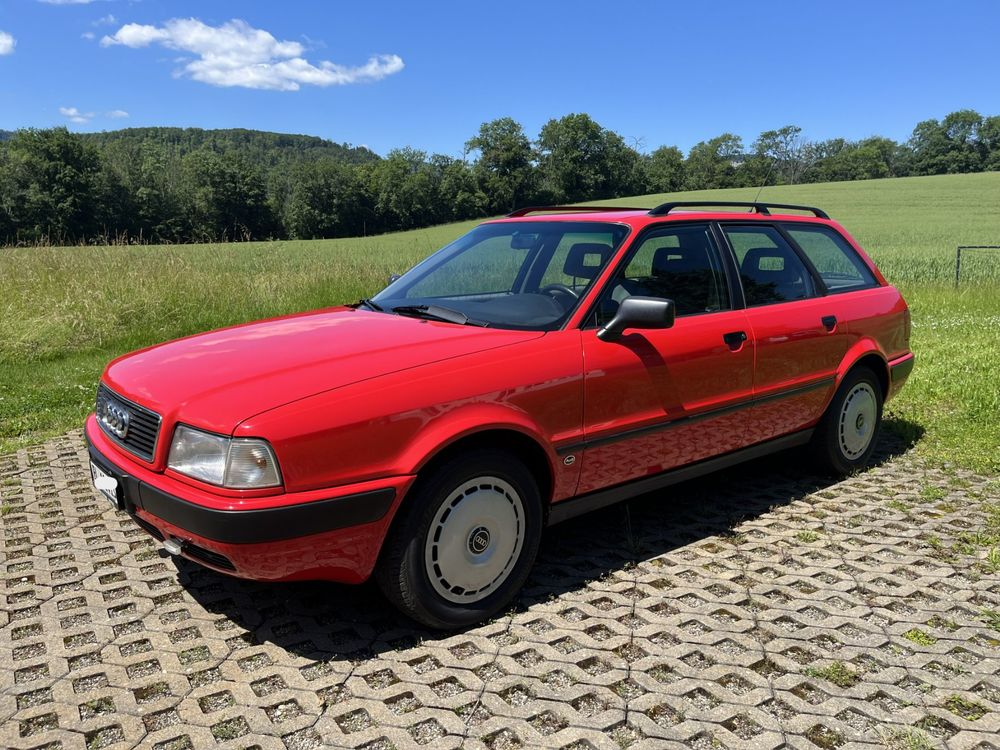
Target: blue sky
{"type": "Point", "coordinates": [426, 74]}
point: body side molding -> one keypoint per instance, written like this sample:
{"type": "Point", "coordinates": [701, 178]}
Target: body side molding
{"type": "Point", "coordinates": [566, 509]}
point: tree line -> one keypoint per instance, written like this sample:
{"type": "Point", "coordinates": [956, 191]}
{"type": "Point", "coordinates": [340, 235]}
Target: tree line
{"type": "Point", "coordinates": [190, 185]}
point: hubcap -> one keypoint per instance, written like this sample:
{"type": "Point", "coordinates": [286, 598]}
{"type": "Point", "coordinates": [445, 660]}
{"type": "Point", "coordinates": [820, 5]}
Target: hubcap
{"type": "Point", "coordinates": [857, 420]}
{"type": "Point", "coordinates": [474, 540]}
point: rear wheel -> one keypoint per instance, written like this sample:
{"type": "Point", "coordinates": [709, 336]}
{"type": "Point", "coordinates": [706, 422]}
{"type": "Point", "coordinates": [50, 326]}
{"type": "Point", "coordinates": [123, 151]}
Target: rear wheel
{"type": "Point", "coordinates": [464, 542]}
{"type": "Point", "coordinates": [846, 435]}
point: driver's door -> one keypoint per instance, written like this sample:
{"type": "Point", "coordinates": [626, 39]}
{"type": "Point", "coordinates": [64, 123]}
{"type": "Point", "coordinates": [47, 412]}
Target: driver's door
{"type": "Point", "coordinates": [658, 399]}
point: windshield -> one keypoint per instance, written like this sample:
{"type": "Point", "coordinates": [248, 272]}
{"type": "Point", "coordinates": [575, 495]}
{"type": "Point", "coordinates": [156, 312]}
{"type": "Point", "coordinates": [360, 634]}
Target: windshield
{"type": "Point", "coordinates": [522, 275]}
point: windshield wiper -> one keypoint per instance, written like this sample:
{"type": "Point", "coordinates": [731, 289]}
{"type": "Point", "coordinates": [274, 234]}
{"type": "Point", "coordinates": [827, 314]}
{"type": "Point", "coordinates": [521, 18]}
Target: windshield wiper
{"type": "Point", "coordinates": [370, 304]}
{"type": "Point", "coordinates": [437, 312]}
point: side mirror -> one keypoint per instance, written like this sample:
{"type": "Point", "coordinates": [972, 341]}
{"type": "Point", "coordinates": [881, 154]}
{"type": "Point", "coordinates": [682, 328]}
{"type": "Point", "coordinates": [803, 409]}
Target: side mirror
{"type": "Point", "coordinates": [395, 277]}
{"type": "Point", "coordinates": [639, 312]}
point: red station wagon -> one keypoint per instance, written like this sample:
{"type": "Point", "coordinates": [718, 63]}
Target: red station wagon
{"type": "Point", "coordinates": [541, 366]}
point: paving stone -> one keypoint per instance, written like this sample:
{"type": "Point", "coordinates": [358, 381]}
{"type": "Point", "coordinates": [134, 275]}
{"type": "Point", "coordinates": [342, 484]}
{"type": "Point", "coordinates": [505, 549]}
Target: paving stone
{"type": "Point", "coordinates": [764, 607]}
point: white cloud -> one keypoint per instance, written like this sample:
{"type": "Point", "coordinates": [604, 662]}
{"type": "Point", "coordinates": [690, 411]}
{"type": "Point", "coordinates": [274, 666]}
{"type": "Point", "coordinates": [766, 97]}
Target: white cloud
{"type": "Point", "coordinates": [116, 114]}
{"type": "Point", "coordinates": [75, 115]}
{"type": "Point", "coordinates": [67, 2]}
{"type": "Point", "coordinates": [236, 54]}
{"type": "Point", "coordinates": [7, 43]}
{"type": "Point", "coordinates": [108, 20]}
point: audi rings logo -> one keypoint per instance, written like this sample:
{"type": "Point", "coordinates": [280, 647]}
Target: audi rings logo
{"type": "Point", "coordinates": [115, 418]}
{"type": "Point", "coordinates": [479, 540]}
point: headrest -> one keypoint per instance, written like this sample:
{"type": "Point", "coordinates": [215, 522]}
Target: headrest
{"type": "Point", "coordinates": [585, 259]}
{"type": "Point", "coordinates": [774, 262]}
{"type": "Point", "coordinates": [691, 253]}
{"type": "Point", "coordinates": [678, 260]}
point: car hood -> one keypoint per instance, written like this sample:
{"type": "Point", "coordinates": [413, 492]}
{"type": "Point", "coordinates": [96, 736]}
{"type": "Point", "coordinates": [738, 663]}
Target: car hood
{"type": "Point", "coordinates": [218, 379]}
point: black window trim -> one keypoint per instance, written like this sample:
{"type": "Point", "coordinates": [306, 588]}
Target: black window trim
{"type": "Point", "coordinates": [736, 292]}
{"type": "Point", "coordinates": [736, 301]}
{"type": "Point", "coordinates": [819, 287]}
{"type": "Point", "coordinates": [827, 291]}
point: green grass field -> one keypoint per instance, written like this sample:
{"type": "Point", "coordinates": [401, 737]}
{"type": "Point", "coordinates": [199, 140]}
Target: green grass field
{"type": "Point", "coordinates": [64, 312]}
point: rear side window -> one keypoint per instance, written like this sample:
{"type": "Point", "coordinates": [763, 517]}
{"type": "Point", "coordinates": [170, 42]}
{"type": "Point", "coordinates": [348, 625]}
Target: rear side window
{"type": "Point", "coordinates": [770, 270]}
{"type": "Point", "coordinates": [835, 260]}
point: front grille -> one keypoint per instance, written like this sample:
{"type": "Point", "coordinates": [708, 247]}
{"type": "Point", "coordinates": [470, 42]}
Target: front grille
{"type": "Point", "coordinates": [133, 427]}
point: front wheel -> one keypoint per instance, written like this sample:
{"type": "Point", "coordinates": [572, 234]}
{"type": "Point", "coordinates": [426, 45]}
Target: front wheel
{"type": "Point", "coordinates": [464, 542]}
{"type": "Point", "coordinates": [845, 437]}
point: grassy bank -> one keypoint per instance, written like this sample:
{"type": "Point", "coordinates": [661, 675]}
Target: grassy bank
{"type": "Point", "coordinates": [64, 312]}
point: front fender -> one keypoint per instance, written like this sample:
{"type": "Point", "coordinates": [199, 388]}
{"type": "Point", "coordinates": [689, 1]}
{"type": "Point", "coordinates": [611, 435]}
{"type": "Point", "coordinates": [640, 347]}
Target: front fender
{"type": "Point", "coordinates": [440, 434]}
{"type": "Point", "coordinates": [394, 424]}
{"type": "Point", "coordinates": [501, 424]}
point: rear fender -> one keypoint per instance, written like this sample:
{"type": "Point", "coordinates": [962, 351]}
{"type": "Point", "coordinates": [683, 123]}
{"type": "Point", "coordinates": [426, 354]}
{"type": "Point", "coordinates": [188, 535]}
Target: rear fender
{"type": "Point", "coordinates": [868, 351]}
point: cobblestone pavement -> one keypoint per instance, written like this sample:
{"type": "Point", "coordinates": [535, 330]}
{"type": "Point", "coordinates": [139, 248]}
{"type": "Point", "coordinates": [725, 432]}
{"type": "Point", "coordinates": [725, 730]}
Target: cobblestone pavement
{"type": "Point", "coordinates": [761, 608]}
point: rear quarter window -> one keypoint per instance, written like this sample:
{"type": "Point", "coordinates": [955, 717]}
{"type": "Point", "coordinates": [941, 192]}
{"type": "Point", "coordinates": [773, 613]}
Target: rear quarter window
{"type": "Point", "coordinates": [835, 260]}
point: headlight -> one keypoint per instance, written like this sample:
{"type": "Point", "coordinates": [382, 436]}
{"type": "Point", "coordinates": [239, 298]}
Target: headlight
{"type": "Point", "coordinates": [236, 463]}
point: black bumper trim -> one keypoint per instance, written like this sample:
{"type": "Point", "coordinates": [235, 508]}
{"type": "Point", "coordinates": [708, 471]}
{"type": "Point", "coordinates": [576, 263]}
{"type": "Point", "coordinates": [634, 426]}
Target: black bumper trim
{"type": "Point", "coordinates": [252, 526]}
{"type": "Point", "coordinates": [266, 524]}
{"type": "Point", "coordinates": [901, 370]}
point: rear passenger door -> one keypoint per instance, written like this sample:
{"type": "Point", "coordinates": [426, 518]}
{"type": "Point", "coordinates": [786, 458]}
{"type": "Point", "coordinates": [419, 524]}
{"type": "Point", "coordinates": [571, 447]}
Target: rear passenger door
{"type": "Point", "coordinates": [800, 341]}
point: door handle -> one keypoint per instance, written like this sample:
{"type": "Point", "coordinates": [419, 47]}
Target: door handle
{"type": "Point", "coordinates": [829, 322]}
{"type": "Point", "coordinates": [734, 340]}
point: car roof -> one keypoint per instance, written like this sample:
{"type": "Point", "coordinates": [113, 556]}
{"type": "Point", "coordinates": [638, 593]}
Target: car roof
{"type": "Point", "coordinates": [673, 211]}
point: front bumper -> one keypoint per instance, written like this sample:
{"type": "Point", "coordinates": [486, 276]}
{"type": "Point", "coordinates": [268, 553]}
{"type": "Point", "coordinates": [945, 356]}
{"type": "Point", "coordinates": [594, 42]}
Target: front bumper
{"type": "Point", "coordinates": [334, 535]}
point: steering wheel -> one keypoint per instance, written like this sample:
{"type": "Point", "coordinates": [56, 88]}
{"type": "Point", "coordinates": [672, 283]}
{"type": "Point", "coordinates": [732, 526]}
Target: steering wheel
{"type": "Point", "coordinates": [561, 289]}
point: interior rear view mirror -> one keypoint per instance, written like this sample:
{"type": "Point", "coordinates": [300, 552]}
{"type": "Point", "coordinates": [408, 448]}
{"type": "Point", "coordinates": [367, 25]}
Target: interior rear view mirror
{"type": "Point", "coordinates": [523, 241]}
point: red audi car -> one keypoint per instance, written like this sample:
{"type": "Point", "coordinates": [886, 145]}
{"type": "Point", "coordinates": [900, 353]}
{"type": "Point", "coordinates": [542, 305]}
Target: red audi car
{"type": "Point", "coordinates": [543, 365]}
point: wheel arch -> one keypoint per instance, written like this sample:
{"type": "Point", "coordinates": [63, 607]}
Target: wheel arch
{"type": "Point", "coordinates": [405, 564]}
{"type": "Point", "coordinates": [866, 354]}
{"type": "Point", "coordinates": [514, 441]}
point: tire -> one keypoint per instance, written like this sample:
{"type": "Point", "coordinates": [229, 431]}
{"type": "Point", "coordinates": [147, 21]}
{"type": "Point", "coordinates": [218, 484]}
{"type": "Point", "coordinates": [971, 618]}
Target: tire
{"type": "Point", "coordinates": [464, 541]}
{"type": "Point", "coordinates": [848, 431]}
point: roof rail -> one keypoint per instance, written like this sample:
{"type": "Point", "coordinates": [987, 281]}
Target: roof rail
{"type": "Point", "coordinates": [552, 209]}
{"type": "Point", "coordinates": [761, 208]}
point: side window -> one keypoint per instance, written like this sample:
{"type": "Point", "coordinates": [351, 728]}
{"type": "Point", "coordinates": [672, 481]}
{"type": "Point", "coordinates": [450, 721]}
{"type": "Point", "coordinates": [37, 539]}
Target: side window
{"type": "Point", "coordinates": [836, 261]}
{"type": "Point", "coordinates": [769, 268]}
{"type": "Point", "coordinates": [680, 263]}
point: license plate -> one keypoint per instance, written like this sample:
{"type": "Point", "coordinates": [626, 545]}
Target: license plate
{"type": "Point", "coordinates": [106, 484]}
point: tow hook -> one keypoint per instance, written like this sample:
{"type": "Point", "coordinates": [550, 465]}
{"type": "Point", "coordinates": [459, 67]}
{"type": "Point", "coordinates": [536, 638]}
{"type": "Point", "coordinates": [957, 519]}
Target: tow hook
{"type": "Point", "coordinates": [173, 546]}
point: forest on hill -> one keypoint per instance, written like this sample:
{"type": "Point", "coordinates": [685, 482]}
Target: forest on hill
{"type": "Point", "coordinates": [151, 185]}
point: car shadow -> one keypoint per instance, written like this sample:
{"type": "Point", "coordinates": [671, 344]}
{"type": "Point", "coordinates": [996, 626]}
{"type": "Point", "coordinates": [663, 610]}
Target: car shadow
{"type": "Point", "coordinates": [328, 622]}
